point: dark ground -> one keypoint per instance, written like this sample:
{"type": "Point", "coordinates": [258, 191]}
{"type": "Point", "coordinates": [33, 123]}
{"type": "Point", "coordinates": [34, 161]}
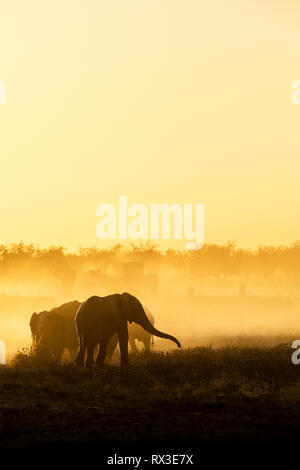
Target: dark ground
{"type": "Point", "coordinates": [233, 404]}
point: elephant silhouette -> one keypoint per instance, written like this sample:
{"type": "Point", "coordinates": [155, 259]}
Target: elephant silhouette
{"type": "Point", "coordinates": [55, 330]}
{"type": "Point", "coordinates": [101, 318]}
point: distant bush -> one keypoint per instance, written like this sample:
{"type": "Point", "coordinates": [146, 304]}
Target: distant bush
{"type": "Point", "coordinates": [211, 260]}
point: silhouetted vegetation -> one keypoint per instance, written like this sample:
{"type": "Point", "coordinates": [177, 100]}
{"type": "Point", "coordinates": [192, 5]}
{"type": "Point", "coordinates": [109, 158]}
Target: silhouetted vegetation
{"type": "Point", "coordinates": [189, 394]}
{"type": "Point", "coordinates": [211, 260]}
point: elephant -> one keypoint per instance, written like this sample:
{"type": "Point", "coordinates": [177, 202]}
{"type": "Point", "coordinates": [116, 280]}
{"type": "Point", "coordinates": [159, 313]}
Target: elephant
{"type": "Point", "coordinates": [64, 277]}
{"type": "Point", "coordinates": [100, 318]}
{"type": "Point", "coordinates": [47, 330]}
{"type": "Point", "coordinates": [55, 330]}
{"type": "Point", "coordinates": [150, 284]}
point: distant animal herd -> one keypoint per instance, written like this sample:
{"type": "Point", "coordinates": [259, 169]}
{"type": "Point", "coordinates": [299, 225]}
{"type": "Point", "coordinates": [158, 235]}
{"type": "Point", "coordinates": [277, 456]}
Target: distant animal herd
{"type": "Point", "coordinates": [90, 331]}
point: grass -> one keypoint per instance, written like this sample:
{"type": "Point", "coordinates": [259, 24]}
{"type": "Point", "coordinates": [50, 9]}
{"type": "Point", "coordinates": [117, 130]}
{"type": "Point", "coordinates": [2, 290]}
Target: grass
{"type": "Point", "coordinates": [193, 394]}
{"type": "Point", "coordinates": [267, 369]}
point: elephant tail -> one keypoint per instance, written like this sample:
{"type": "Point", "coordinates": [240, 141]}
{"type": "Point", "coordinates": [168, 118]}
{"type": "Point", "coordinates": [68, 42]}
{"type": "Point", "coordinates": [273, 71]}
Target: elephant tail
{"type": "Point", "coordinates": [152, 340]}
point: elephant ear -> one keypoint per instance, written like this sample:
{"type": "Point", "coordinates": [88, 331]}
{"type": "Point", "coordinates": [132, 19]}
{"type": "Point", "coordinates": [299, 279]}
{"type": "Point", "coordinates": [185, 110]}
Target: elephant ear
{"type": "Point", "coordinates": [128, 306]}
{"type": "Point", "coordinates": [132, 308]}
{"type": "Point", "coordinates": [126, 295]}
{"type": "Point", "coordinates": [127, 298]}
{"type": "Point", "coordinates": [125, 301]}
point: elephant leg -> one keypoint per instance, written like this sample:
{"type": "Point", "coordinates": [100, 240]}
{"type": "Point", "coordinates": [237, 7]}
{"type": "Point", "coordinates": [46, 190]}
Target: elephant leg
{"type": "Point", "coordinates": [123, 342]}
{"type": "Point", "coordinates": [134, 349]}
{"type": "Point", "coordinates": [112, 344]}
{"type": "Point", "coordinates": [102, 352]}
{"type": "Point", "coordinates": [80, 355]}
{"type": "Point", "coordinates": [147, 342]}
{"type": "Point", "coordinates": [90, 352]}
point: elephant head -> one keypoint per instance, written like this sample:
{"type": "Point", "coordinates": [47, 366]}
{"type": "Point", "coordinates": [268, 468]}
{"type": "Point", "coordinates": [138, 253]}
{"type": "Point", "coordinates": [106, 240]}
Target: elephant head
{"type": "Point", "coordinates": [134, 312]}
{"type": "Point", "coordinates": [35, 324]}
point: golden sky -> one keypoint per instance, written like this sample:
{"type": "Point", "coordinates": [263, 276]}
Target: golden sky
{"type": "Point", "coordinates": [183, 101]}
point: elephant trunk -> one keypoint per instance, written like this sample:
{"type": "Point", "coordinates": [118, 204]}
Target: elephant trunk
{"type": "Point", "coordinates": [147, 325]}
